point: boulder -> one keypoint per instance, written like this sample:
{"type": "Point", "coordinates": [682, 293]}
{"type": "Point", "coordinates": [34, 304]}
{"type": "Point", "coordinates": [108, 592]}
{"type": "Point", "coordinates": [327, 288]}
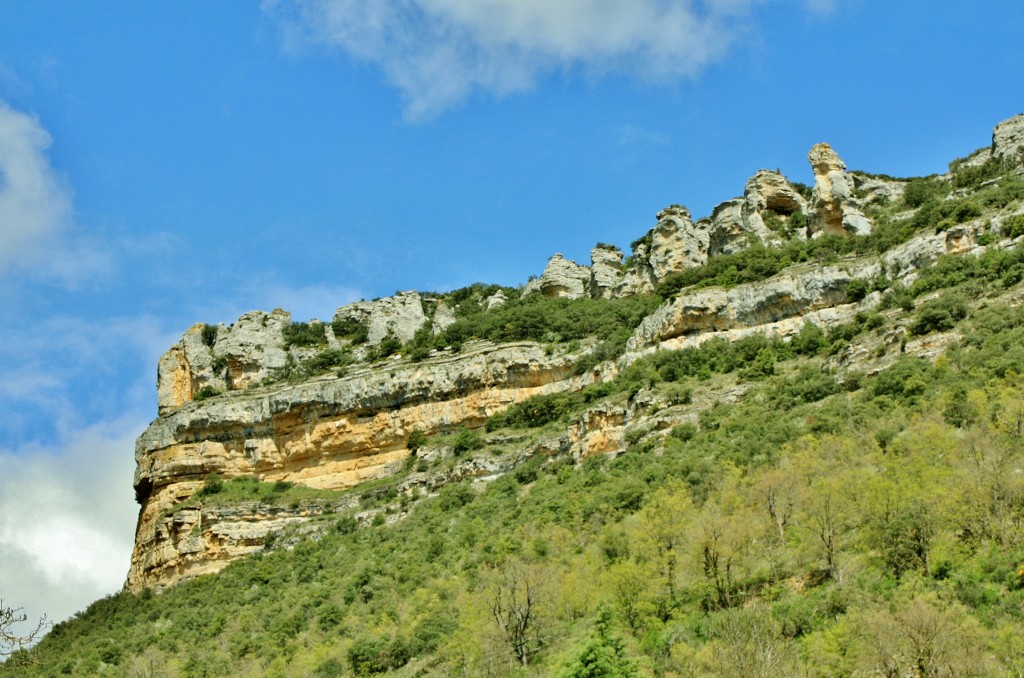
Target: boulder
{"type": "Point", "coordinates": [768, 190]}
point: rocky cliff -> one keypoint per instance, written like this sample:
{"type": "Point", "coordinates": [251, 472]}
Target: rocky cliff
{"type": "Point", "coordinates": [333, 405]}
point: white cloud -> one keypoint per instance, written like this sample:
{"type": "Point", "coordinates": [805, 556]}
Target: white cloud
{"type": "Point", "coordinates": [36, 219]}
{"type": "Point", "coordinates": [67, 517]}
{"type": "Point", "coordinates": [33, 204]}
{"type": "Point", "coordinates": [436, 52]}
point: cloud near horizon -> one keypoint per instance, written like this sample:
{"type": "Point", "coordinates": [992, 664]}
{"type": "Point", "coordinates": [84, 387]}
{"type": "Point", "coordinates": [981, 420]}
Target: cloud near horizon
{"type": "Point", "coordinates": [438, 52]}
{"type": "Point", "coordinates": [67, 518]}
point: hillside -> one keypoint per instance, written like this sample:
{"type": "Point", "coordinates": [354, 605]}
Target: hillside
{"type": "Point", "coordinates": [784, 439]}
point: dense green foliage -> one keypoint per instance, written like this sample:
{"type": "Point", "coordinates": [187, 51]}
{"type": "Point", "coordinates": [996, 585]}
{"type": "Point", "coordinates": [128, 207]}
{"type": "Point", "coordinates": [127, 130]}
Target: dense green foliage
{"type": "Point", "coordinates": [305, 334]}
{"type": "Point", "coordinates": [352, 330]}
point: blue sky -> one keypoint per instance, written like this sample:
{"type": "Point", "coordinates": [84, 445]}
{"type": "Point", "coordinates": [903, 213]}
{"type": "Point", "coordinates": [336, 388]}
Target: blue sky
{"type": "Point", "coordinates": [163, 164]}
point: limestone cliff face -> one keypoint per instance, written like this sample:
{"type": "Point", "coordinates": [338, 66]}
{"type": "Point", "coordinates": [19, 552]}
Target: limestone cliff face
{"type": "Point", "coordinates": [328, 432]}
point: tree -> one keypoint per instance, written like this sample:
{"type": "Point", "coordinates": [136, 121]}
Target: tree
{"type": "Point", "coordinates": [604, 655]}
{"type": "Point", "coordinates": [13, 639]}
{"type": "Point", "coordinates": [514, 601]}
{"type": "Point", "coordinates": [663, 523]}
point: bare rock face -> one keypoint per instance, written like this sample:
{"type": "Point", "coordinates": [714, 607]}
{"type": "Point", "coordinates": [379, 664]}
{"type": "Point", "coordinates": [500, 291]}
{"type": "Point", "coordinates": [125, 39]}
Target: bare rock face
{"type": "Point", "coordinates": [228, 358]}
{"type": "Point", "coordinates": [561, 278]}
{"type": "Point", "coordinates": [770, 191]}
{"type": "Point", "coordinates": [444, 317]}
{"type": "Point", "coordinates": [399, 316]}
{"type": "Point", "coordinates": [716, 310]}
{"type": "Point", "coordinates": [638, 278]}
{"type": "Point", "coordinates": [495, 300]}
{"type": "Point", "coordinates": [254, 347]}
{"type": "Point", "coordinates": [878, 189]}
{"type": "Point", "coordinates": [676, 243]}
{"type": "Point", "coordinates": [605, 269]}
{"type": "Point", "coordinates": [736, 223]}
{"type": "Point", "coordinates": [835, 209]}
{"type": "Point", "coordinates": [728, 225]}
{"type": "Point", "coordinates": [1008, 139]}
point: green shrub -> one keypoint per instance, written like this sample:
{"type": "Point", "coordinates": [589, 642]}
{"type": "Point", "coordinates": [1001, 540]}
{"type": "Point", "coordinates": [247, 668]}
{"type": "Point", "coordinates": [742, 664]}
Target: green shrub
{"type": "Point", "coordinates": [350, 329]}
{"type": "Point", "coordinates": [326, 360]}
{"type": "Point", "coordinates": [939, 315]}
{"type": "Point", "coordinates": [305, 334]}
{"type": "Point", "coordinates": [417, 439]}
{"type": "Point", "coordinates": [856, 290]}
{"type": "Point", "coordinates": [972, 177]}
{"type": "Point", "coordinates": [898, 296]}
{"type": "Point", "coordinates": [369, 655]}
{"type": "Point", "coordinates": [212, 484]}
{"type": "Point", "coordinates": [209, 335]}
{"type": "Point", "coordinates": [920, 191]}
{"type": "Point", "coordinates": [536, 411]}
{"type": "Point", "coordinates": [810, 340]}
{"type": "Point", "coordinates": [1013, 227]}
{"type": "Point", "coordinates": [683, 432]}
{"type": "Point", "coordinates": [906, 378]}
{"type": "Point", "coordinates": [679, 395]}
{"type": "Point", "coordinates": [467, 440]}
{"type": "Point", "coordinates": [762, 366]}
{"type": "Point", "coordinates": [808, 385]}
{"type": "Point", "coordinates": [388, 346]}
{"type": "Point", "coordinates": [206, 392]}
{"type": "Point", "coordinates": [454, 496]}
{"type": "Point", "coordinates": [219, 363]}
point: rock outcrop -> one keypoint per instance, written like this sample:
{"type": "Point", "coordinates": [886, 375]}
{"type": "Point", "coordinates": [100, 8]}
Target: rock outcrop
{"type": "Point", "coordinates": [782, 304]}
{"type": "Point", "coordinates": [444, 317]}
{"type": "Point", "coordinates": [398, 316]}
{"type": "Point", "coordinates": [1008, 139]}
{"type": "Point", "coordinates": [674, 244]}
{"type": "Point", "coordinates": [220, 358]}
{"type": "Point", "coordinates": [835, 209]}
{"type": "Point", "coordinates": [561, 278]}
{"type": "Point", "coordinates": [495, 300]}
{"type": "Point", "coordinates": [605, 270]}
{"type": "Point", "coordinates": [736, 223]}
